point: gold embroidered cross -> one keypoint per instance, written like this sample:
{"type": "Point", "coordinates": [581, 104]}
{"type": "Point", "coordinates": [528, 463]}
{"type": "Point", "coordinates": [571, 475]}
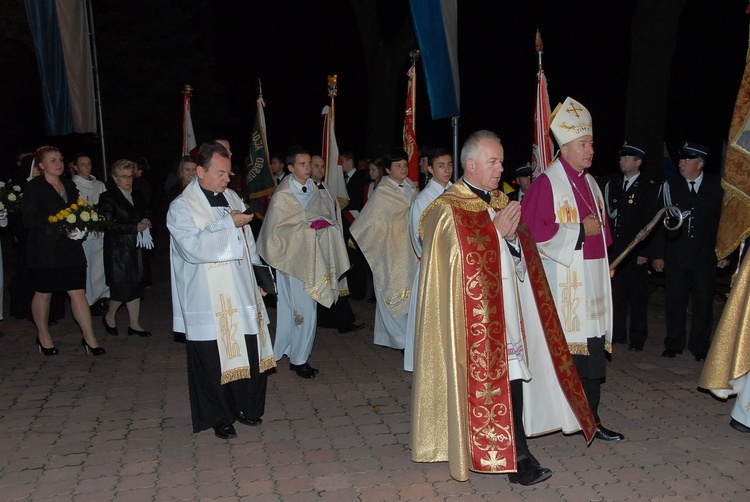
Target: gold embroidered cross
{"type": "Point", "coordinates": [567, 366]}
{"type": "Point", "coordinates": [479, 240]}
{"type": "Point", "coordinates": [488, 393]}
{"type": "Point", "coordinates": [227, 327]}
{"type": "Point", "coordinates": [493, 462]}
{"type": "Point", "coordinates": [569, 302]}
{"type": "Point", "coordinates": [573, 109]}
{"type": "Point", "coordinates": [485, 311]}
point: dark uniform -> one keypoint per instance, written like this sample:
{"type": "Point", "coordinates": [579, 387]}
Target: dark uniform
{"type": "Point", "coordinates": [630, 209]}
{"type": "Point", "coordinates": [689, 254]}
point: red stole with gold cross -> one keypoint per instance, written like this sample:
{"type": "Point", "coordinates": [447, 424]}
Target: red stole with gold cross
{"type": "Point", "coordinates": [490, 417]}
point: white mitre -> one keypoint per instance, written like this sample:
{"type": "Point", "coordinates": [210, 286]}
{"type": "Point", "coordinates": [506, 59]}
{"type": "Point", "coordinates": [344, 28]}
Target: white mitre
{"type": "Point", "coordinates": [570, 120]}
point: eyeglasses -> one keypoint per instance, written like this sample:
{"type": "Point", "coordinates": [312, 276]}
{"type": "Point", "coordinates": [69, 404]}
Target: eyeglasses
{"type": "Point", "coordinates": [126, 176]}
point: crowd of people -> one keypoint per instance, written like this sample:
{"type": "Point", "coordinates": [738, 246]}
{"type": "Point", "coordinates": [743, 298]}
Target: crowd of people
{"type": "Point", "coordinates": [503, 305]}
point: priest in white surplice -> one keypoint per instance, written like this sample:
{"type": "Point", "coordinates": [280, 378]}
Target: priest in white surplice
{"type": "Point", "coordinates": [440, 170]}
{"type": "Point", "coordinates": [90, 189]}
{"type": "Point", "coordinates": [306, 247]}
{"type": "Point", "coordinates": [216, 301]}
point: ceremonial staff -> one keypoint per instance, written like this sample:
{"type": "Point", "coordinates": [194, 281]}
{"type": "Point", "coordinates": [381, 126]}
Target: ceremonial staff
{"type": "Point", "coordinates": [646, 231]}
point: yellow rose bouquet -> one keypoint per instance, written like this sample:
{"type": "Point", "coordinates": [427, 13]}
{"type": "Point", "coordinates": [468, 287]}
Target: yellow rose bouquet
{"type": "Point", "coordinates": [10, 196]}
{"type": "Point", "coordinates": [77, 220]}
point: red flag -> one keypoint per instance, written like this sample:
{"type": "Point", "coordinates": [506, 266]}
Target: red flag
{"type": "Point", "coordinates": [542, 147]}
{"type": "Point", "coordinates": [410, 137]}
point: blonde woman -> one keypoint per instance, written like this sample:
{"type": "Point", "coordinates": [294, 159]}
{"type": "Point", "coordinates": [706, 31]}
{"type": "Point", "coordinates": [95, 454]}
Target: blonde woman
{"type": "Point", "coordinates": [57, 262]}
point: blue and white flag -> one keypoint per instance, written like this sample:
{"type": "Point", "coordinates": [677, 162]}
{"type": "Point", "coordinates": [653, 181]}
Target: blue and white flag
{"type": "Point", "coordinates": [61, 39]}
{"type": "Point", "coordinates": [436, 26]}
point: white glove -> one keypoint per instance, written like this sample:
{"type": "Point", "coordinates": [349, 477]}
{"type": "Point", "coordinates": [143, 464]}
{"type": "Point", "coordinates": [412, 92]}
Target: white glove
{"type": "Point", "coordinates": [77, 234]}
{"type": "Point", "coordinates": [144, 239]}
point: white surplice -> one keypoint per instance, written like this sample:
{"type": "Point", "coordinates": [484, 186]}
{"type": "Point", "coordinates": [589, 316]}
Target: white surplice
{"type": "Point", "coordinates": [93, 246]}
{"type": "Point", "coordinates": [192, 247]}
{"type": "Point", "coordinates": [431, 191]}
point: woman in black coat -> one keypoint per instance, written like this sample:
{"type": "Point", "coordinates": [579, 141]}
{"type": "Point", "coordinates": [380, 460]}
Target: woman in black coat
{"type": "Point", "coordinates": [57, 262]}
{"type": "Point", "coordinates": [123, 259]}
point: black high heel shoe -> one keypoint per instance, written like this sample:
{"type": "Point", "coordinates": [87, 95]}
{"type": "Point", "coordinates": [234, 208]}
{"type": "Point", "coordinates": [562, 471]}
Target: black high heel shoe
{"type": "Point", "coordinates": [110, 330]}
{"type": "Point", "coordinates": [144, 333]}
{"type": "Point", "coordinates": [44, 350]}
{"type": "Point", "coordinates": [94, 351]}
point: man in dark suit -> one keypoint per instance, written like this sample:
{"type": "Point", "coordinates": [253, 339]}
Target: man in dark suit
{"type": "Point", "coordinates": [356, 180]}
{"type": "Point", "coordinates": [688, 256]}
{"type": "Point", "coordinates": [632, 202]}
{"type": "Point", "coordinates": [523, 179]}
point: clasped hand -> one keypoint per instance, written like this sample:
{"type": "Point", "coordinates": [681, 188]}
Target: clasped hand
{"type": "Point", "coordinates": [144, 224]}
{"type": "Point", "coordinates": [507, 219]}
{"type": "Point", "coordinates": [592, 225]}
{"type": "Point", "coordinates": [239, 218]}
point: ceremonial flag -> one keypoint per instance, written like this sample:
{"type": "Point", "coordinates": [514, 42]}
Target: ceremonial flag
{"type": "Point", "coordinates": [334, 172]}
{"type": "Point", "coordinates": [188, 135]}
{"type": "Point", "coordinates": [59, 30]}
{"type": "Point", "coordinates": [410, 135]}
{"type": "Point", "coordinates": [541, 150]}
{"type": "Point", "coordinates": [734, 225]}
{"type": "Point", "coordinates": [436, 26]}
{"type": "Point", "coordinates": [259, 180]}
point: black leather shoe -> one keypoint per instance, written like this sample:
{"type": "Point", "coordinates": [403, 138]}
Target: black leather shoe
{"type": "Point", "coordinates": [144, 334]}
{"type": "Point", "coordinates": [734, 424]}
{"type": "Point", "coordinates": [528, 474]}
{"type": "Point", "coordinates": [635, 348]}
{"type": "Point", "coordinates": [670, 354]}
{"type": "Point", "coordinates": [303, 370]}
{"type": "Point", "coordinates": [107, 328]}
{"type": "Point", "coordinates": [225, 431]}
{"type": "Point", "coordinates": [252, 422]}
{"type": "Point", "coordinates": [607, 435]}
{"type": "Point", "coordinates": [352, 328]}
{"type": "Point", "coordinates": [699, 356]}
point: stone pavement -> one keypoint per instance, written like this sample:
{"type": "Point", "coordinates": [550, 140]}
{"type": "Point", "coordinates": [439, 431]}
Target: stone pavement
{"type": "Point", "coordinates": [117, 427]}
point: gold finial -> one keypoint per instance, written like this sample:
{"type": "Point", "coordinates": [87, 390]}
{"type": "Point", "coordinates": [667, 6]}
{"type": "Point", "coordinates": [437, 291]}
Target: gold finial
{"type": "Point", "coordinates": [538, 42]}
{"type": "Point", "coordinates": [187, 90]}
{"type": "Point", "coordinates": [414, 56]}
{"type": "Point", "coordinates": [260, 89]}
{"type": "Point", "coordinates": [332, 85]}
{"type": "Point", "coordinates": [539, 49]}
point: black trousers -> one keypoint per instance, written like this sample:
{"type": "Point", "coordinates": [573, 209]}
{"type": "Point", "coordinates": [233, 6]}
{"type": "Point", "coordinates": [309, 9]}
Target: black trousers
{"type": "Point", "coordinates": [630, 294]}
{"type": "Point", "coordinates": [358, 274]}
{"type": "Point", "coordinates": [694, 287]}
{"type": "Point", "coordinates": [213, 404]}
{"type": "Point", "coordinates": [516, 396]}
{"type": "Point", "coordinates": [340, 315]}
{"type": "Point", "coordinates": [591, 370]}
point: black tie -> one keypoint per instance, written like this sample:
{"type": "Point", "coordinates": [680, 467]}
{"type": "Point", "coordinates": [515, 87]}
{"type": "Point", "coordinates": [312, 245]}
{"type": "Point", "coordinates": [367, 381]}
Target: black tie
{"type": "Point", "coordinates": [304, 189]}
{"type": "Point", "coordinates": [401, 186]}
{"type": "Point", "coordinates": [320, 185]}
{"type": "Point", "coordinates": [692, 187]}
{"type": "Point", "coordinates": [625, 187]}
